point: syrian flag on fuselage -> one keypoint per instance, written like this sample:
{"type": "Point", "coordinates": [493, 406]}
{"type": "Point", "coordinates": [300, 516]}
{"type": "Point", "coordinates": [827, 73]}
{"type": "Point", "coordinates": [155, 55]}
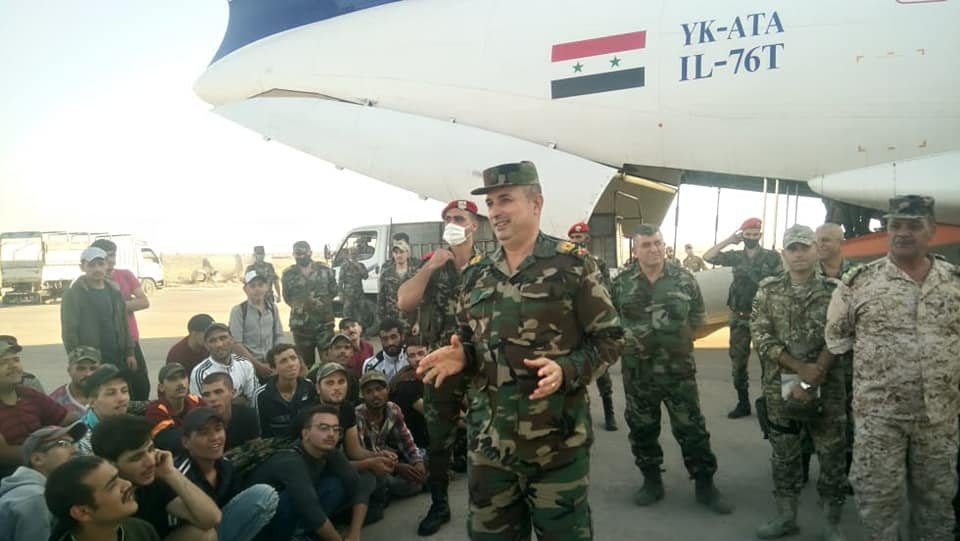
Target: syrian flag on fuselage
{"type": "Point", "coordinates": [598, 65]}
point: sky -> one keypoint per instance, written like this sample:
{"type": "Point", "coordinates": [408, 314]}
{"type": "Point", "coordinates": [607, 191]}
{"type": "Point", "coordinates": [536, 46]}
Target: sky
{"type": "Point", "coordinates": [102, 132]}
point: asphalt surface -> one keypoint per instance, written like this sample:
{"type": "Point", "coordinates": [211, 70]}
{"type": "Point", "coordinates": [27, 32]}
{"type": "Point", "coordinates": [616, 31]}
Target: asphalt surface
{"type": "Point", "coordinates": [744, 475]}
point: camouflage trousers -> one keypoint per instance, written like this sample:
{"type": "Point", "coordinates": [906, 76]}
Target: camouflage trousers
{"type": "Point", "coordinates": [644, 396]}
{"type": "Point", "coordinates": [505, 501]}
{"type": "Point", "coordinates": [828, 436]}
{"type": "Point", "coordinates": [885, 453]}
{"type": "Point", "coordinates": [308, 343]}
{"type": "Point", "coordinates": [740, 350]}
{"type": "Point", "coordinates": [605, 384]}
{"type": "Point", "coordinates": [360, 309]}
{"type": "Point", "coordinates": [441, 408]}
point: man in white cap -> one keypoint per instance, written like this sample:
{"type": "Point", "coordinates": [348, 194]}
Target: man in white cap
{"type": "Point", "coordinates": [255, 324]}
{"type": "Point", "coordinates": [94, 314]}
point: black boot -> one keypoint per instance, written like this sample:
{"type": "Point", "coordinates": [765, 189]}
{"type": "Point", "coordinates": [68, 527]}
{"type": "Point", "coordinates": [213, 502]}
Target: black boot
{"type": "Point", "coordinates": [805, 465]}
{"type": "Point", "coordinates": [652, 489]}
{"type": "Point", "coordinates": [743, 405]}
{"type": "Point", "coordinates": [608, 415]}
{"type": "Point", "coordinates": [708, 496]}
{"type": "Point", "coordinates": [439, 513]}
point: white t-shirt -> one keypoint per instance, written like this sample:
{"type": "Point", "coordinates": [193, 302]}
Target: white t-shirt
{"type": "Point", "coordinates": [241, 372]}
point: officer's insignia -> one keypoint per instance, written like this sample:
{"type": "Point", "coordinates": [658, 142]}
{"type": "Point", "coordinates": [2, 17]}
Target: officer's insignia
{"type": "Point", "coordinates": [851, 275]}
{"type": "Point", "coordinates": [476, 259]}
{"type": "Point", "coordinates": [566, 247]}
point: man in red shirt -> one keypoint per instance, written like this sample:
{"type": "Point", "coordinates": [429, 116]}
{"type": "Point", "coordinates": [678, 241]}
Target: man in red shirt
{"type": "Point", "coordinates": [362, 350]}
{"type": "Point", "coordinates": [22, 409]}
{"type": "Point", "coordinates": [173, 403]}
{"type": "Point", "coordinates": [135, 300]}
{"type": "Point", "coordinates": [191, 350]}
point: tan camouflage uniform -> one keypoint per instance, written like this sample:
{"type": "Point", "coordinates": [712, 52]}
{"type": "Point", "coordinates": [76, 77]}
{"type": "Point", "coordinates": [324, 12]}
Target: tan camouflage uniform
{"type": "Point", "coordinates": [311, 307]}
{"type": "Point", "coordinates": [905, 339]}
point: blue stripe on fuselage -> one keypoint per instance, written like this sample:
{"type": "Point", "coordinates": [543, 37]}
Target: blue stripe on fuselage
{"type": "Point", "coordinates": [251, 20]}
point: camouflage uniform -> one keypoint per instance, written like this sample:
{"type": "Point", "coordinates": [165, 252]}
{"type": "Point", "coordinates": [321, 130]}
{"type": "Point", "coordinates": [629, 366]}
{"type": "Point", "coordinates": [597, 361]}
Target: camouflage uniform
{"type": "Point", "coordinates": [790, 318]}
{"type": "Point", "coordinates": [747, 274]}
{"type": "Point", "coordinates": [905, 339]}
{"type": "Point", "coordinates": [437, 317]}
{"type": "Point", "coordinates": [266, 270]}
{"type": "Point", "coordinates": [530, 459]}
{"type": "Point", "coordinates": [352, 275]}
{"type": "Point", "coordinates": [390, 282]}
{"type": "Point", "coordinates": [311, 307]}
{"type": "Point", "coordinates": [659, 321]}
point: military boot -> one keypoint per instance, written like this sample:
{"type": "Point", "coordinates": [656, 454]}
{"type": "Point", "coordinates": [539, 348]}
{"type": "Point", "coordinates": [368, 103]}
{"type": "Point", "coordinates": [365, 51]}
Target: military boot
{"type": "Point", "coordinates": [805, 467]}
{"type": "Point", "coordinates": [831, 530]}
{"type": "Point", "coordinates": [439, 513]}
{"type": "Point", "coordinates": [782, 525]}
{"type": "Point", "coordinates": [608, 415]}
{"type": "Point", "coordinates": [743, 405]}
{"type": "Point", "coordinates": [652, 489]}
{"type": "Point", "coordinates": [709, 497]}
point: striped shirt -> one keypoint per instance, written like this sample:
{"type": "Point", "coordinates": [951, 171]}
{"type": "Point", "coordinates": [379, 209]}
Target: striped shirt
{"type": "Point", "coordinates": [241, 372]}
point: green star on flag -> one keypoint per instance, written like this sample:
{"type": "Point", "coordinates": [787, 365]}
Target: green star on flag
{"type": "Point", "coordinates": [578, 68]}
{"type": "Point", "coordinates": [615, 63]}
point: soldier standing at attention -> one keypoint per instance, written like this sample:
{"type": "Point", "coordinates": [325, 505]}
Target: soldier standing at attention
{"type": "Point", "coordinates": [309, 288]}
{"type": "Point", "coordinates": [661, 310]}
{"type": "Point", "coordinates": [579, 234]}
{"type": "Point", "coordinates": [265, 268]}
{"type": "Point", "coordinates": [535, 326]}
{"type": "Point", "coordinates": [802, 384]}
{"type": "Point", "coordinates": [352, 275]}
{"type": "Point", "coordinates": [901, 317]}
{"type": "Point", "coordinates": [750, 265]}
{"type": "Point", "coordinates": [433, 292]}
{"type": "Point", "coordinates": [395, 272]}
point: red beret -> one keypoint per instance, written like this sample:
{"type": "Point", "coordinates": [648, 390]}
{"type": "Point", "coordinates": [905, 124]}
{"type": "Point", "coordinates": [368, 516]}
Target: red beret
{"type": "Point", "coordinates": [461, 204]}
{"type": "Point", "coordinates": [579, 227]}
{"type": "Point", "coordinates": [751, 223]}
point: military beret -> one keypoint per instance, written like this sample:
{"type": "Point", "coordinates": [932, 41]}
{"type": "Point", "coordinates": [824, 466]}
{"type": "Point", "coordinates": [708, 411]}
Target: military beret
{"type": "Point", "coordinates": [911, 207]}
{"type": "Point", "coordinates": [579, 227]}
{"type": "Point", "coordinates": [461, 204]}
{"type": "Point", "coordinates": [509, 174]}
{"type": "Point", "coordinates": [751, 223]}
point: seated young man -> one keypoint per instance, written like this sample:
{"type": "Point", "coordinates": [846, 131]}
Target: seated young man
{"type": "Point", "coordinates": [284, 395]}
{"type": "Point", "coordinates": [241, 421]}
{"type": "Point", "coordinates": [362, 349]}
{"type": "Point", "coordinates": [338, 352]}
{"type": "Point", "coordinates": [406, 391]}
{"type": "Point", "coordinates": [316, 482]}
{"type": "Point", "coordinates": [82, 362]}
{"type": "Point", "coordinates": [22, 409]}
{"type": "Point", "coordinates": [255, 324]}
{"type": "Point", "coordinates": [220, 342]}
{"type": "Point", "coordinates": [172, 405]}
{"type": "Point", "coordinates": [176, 508]}
{"type": "Point", "coordinates": [28, 379]}
{"type": "Point", "coordinates": [392, 357]}
{"type": "Point", "coordinates": [22, 508]}
{"type": "Point", "coordinates": [191, 350]}
{"type": "Point", "coordinates": [245, 511]}
{"type": "Point", "coordinates": [380, 427]}
{"type": "Point", "coordinates": [90, 502]}
{"type": "Point", "coordinates": [109, 396]}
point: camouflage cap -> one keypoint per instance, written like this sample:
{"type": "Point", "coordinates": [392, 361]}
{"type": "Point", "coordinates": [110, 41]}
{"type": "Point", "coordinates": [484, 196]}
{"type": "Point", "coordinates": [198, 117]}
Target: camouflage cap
{"type": "Point", "coordinates": [911, 207]}
{"type": "Point", "coordinates": [320, 371]}
{"type": "Point", "coordinates": [509, 174]}
{"type": "Point", "coordinates": [373, 375]}
{"type": "Point", "coordinates": [799, 234]}
{"type": "Point", "coordinates": [84, 353]}
{"type": "Point", "coordinates": [6, 347]}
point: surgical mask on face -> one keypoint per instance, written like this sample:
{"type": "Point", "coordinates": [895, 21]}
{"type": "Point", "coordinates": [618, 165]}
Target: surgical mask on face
{"type": "Point", "coordinates": [303, 261]}
{"type": "Point", "coordinates": [454, 234]}
{"type": "Point", "coordinates": [751, 243]}
{"type": "Point", "coordinates": [259, 258]}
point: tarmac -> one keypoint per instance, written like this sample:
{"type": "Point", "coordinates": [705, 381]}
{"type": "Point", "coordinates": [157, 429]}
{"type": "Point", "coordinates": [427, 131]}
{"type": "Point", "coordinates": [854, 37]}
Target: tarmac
{"type": "Point", "coordinates": [742, 453]}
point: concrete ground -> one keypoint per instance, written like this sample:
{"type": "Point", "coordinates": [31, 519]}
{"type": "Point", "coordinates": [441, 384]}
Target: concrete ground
{"type": "Point", "coordinates": [743, 455]}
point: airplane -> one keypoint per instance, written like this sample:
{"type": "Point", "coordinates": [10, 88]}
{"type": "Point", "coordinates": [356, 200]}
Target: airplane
{"type": "Point", "coordinates": [617, 102]}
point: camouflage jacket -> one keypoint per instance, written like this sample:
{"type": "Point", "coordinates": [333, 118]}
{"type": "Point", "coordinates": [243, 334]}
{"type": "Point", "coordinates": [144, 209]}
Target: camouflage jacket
{"type": "Point", "coordinates": [264, 269]}
{"type": "Point", "coordinates": [553, 305]}
{"type": "Point", "coordinates": [905, 339]}
{"type": "Point", "coordinates": [310, 297]}
{"type": "Point", "coordinates": [747, 274]}
{"type": "Point", "coordinates": [659, 320]}
{"type": "Point", "coordinates": [352, 275]}
{"type": "Point", "coordinates": [437, 313]}
{"type": "Point", "coordinates": [845, 266]}
{"type": "Point", "coordinates": [788, 318]}
{"type": "Point", "coordinates": [694, 263]}
{"type": "Point", "coordinates": [390, 282]}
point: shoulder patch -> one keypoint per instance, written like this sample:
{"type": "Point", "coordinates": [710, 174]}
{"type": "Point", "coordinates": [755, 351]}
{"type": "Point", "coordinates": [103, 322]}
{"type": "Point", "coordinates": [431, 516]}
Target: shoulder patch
{"type": "Point", "coordinates": [476, 259]}
{"type": "Point", "coordinates": [851, 275]}
{"type": "Point", "coordinates": [769, 280]}
{"type": "Point", "coordinates": [566, 247]}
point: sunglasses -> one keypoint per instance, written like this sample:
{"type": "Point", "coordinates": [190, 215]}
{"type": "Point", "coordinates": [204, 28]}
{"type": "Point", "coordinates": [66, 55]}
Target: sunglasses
{"type": "Point", "coordinates": [58, 443]}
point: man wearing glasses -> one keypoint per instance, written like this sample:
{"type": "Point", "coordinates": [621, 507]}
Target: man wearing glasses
{"type": "Point", "coordinates": [21, 495]}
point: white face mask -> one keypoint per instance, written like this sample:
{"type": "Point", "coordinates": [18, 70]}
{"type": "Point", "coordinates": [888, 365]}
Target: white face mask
{"type": "Point", "coordinates": [454, 234]}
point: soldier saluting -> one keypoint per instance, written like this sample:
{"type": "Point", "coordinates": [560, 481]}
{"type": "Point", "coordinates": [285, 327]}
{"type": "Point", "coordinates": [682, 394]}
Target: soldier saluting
{"type": "Point", "coordinates": [536, 326]}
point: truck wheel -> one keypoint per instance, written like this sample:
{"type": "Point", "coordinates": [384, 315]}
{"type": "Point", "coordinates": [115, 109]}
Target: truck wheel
{"type": "Point", "coordinates": [149, 286]}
